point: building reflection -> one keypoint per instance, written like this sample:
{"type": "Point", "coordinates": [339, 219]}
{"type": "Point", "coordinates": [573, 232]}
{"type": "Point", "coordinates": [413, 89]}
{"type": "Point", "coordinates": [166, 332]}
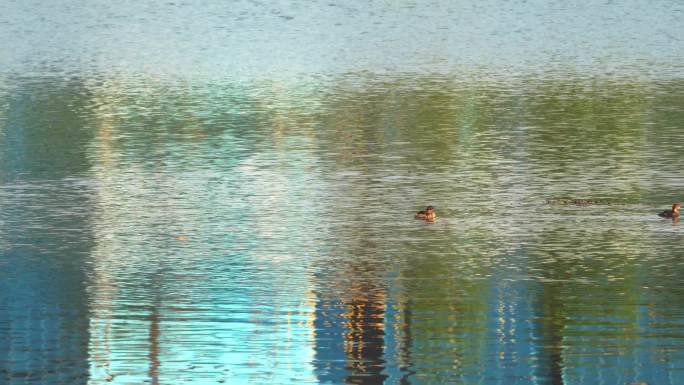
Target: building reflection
{"type": "Point", "coordinates": [350, 333]}
{"type": "Point", "coordinates": [398, 338]}
{"type": "Point", "coordinates": [365, 335]}
{"type": "Point", "coordinates": [512, 348]}
{"type": "Point", "coordinates": [190, 321]}
{"type": "Point", "coordinates": [330, 351]}
{"type": "Point", "coordinates": [550, 326]}
{"type": "Point", "coordinates": [350, 339]}
{"type": "Point", "coordinates": [45, 236]}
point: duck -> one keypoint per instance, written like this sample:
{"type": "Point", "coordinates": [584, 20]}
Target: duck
{"type": "Point", "coordinates": [674, 213]}
{"type": "Point", "coordinates": [427, 215]}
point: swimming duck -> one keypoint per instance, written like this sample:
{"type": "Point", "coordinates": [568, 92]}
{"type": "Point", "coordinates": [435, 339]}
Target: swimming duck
{"type": "Point", "coordinates": [427, 215]}
{"type": "Point", "coordinates": [674, 213]}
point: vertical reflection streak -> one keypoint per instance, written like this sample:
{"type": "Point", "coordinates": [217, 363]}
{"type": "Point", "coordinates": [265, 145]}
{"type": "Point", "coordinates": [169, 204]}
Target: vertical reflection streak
{"type": "Point", "coordinates": [407, 344]}
{"type": "Point", "coordinates": [550, 328]}
{"type": "Point", "coordinates": [365, 336]}
{"type": "Point", "coordinates": [154, 334]}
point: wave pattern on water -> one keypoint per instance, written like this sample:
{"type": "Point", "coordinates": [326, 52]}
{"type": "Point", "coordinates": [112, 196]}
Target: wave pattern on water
{"type": "Point", "coordinates": [263, 232]}
{"type": "Point", "coordinates": [279, 39]}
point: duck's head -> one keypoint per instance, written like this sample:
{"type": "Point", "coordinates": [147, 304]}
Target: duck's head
{"type": "Point", "coordinates": [675, 207]}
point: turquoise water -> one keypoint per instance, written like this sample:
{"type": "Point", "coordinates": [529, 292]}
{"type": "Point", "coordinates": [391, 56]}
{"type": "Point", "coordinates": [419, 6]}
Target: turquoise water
{"type": "Point", "coordinates": [212, 193]}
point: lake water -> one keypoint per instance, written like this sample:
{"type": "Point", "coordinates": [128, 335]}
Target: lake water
{"type": "Point", "coordinates": [215, 192]}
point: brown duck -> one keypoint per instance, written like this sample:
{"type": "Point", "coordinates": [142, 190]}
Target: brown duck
{"type": "Point", "coordinates": [427, 215]}
{"type": "Point", "coordinates": [674, 213]}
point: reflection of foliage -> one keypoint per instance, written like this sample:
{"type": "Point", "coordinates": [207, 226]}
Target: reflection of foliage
{"type": "Point", "coordinates": [49, 120]}
{"type": "Point", "coordinates": [437, 123]}
{"type": "Point", "coordinates": [444, 302]}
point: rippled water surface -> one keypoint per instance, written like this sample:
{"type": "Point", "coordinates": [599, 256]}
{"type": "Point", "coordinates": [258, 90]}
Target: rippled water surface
{"type": "Point", "coordinates": [206, 193]}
